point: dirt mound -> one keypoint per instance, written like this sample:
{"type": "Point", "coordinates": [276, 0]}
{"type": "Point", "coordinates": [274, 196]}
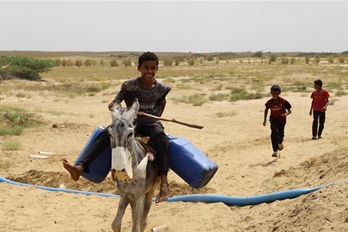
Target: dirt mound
{"type": "Point", "coordinates": [317, 171]}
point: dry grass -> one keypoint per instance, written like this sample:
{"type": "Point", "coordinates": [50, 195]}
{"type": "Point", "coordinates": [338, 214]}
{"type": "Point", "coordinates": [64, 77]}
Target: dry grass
{"type": "Point", "coordinates": [252, 75]}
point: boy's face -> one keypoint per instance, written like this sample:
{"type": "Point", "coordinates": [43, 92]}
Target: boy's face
{"type": "Point", "coordinates": [148, 69]}
{"type": "Point", "coordinates": [275, 94]}
{"type": "Point", "coordinates": [316, 86]}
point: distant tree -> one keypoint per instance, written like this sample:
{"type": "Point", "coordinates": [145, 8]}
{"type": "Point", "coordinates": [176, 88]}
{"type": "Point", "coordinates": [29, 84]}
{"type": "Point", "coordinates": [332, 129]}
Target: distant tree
{"type": "Point", "coordinates": [24, 67]}
{"type": "Point", "coordinates": [258, 54]}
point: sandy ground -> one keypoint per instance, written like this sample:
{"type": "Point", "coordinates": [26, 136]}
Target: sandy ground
{"type": "Point", "coordinates": [239, 144]}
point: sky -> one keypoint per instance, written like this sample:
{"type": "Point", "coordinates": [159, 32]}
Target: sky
{"type": "Point", "coordinates": [174, 26]}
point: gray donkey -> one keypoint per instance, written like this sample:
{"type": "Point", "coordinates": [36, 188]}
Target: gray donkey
{"type": "Point", "coordinates": [135, 176]}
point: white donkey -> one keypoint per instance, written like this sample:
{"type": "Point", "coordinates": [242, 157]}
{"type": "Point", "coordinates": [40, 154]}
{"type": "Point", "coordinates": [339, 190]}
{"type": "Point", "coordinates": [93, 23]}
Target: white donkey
{"type": "Point", "coordinates": [135, 176]}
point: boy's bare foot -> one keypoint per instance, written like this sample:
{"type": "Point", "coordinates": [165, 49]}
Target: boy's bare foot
{"type": "Point", "coordinates": [74, 171]}
{"type": "Point", "coordinates": [163, 194]}
{"type": "Point", "coordinates": [164, 190]}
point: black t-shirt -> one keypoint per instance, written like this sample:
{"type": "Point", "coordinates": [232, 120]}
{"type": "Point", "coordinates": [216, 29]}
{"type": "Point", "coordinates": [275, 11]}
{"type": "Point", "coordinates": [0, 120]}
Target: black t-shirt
{"type": "Point", "coordinates": [149, 99]}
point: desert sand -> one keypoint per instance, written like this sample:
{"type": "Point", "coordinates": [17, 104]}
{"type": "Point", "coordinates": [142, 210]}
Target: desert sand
{"type": "Point", "coordinates": [239, 144]}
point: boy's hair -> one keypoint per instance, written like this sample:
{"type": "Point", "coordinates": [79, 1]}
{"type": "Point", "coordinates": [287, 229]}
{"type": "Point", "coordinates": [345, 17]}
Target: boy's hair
{"type": "Point", "coordinates": [318, 82]}
{"type": "Point", "coordinates": [276, 88]}
{"type": "Point", "coordinates": [146, 57]}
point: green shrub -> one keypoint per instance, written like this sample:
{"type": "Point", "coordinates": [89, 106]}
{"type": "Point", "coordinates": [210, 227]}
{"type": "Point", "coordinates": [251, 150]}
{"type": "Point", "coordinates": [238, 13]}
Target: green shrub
{"type": "Point", "coordinates": [242, 94]}
{"type": "Point", "coordinates": [11, 145]}
{"type": "Point", "coordinates": [340, 93]}
{"type": "Point", "coordinates": [195, 99]}
{"type": "Point", "coordinates": [219, 97]}
{"type": "Point", "coordinates": [25, 67]}
{"type": "Point", "coordinates": [16, 130]}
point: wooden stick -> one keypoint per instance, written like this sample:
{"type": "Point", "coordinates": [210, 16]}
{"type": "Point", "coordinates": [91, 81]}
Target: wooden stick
{"type": "Point", "coordinates": [170, 120]}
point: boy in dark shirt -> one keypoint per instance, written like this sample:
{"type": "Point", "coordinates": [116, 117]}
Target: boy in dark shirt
{"type": "Point", "coordinates": [151, 95]}
{"type": "Point", "coordinates": [280, 109]}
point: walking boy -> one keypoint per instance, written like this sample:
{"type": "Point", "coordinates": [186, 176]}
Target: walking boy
{"type": "Point", "coordinates": [151, 95]}
{"type": "Point", "coordinates": [280, 109]}
{"type": "Point", "coordinates": [320, 101]}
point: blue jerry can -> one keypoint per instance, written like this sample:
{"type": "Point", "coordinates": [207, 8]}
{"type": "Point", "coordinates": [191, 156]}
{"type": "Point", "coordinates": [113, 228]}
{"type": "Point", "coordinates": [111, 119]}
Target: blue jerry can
{"type": "Point", "coordinates": [194, 167]}
{"type": "Point", "coordinates": [100, 167]}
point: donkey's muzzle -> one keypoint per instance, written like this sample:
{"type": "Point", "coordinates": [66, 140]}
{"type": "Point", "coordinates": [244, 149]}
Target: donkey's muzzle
{"type": "Point", "coordinates": [120, 175]}
{"type": "Point", "coordinates": [121, 164]}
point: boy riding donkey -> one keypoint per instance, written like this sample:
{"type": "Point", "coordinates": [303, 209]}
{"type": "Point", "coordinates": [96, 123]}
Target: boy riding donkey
{"type": "Point", "coordinates": [151, 95]}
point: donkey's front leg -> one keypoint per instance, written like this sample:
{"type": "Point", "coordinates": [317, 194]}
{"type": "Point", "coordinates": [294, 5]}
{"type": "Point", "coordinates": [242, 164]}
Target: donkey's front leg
{"type": "Point", "coordinates": [147, 206]}
{"type": "Point", "coordinates": [137, 213]}
{"type": "Point", "coordinates": [122, 205]}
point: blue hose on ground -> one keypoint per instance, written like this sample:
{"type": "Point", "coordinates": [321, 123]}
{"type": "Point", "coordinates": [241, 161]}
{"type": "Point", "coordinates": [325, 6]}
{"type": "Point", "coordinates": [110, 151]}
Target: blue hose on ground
{"type": "Point", "coordinates": [207, 198]}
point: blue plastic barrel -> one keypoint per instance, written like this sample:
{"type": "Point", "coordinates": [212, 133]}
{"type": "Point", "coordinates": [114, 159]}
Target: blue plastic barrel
{"type": "Point", "coordinates": [194, 167]}
{"type": "Point", "coordinates": [100, 167]}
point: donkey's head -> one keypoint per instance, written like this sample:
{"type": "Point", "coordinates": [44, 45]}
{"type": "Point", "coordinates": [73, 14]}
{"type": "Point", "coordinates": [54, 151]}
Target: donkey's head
{"type": "Point", "coordinates": [121, 133]}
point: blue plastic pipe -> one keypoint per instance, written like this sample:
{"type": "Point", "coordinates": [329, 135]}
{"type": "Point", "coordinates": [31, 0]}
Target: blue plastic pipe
{"type": "Point", "coordinates": [207, 198]}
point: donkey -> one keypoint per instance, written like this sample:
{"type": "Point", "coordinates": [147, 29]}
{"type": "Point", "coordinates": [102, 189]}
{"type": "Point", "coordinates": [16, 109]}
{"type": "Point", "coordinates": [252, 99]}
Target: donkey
{"type": "Point", "coordinates": [135, 177]}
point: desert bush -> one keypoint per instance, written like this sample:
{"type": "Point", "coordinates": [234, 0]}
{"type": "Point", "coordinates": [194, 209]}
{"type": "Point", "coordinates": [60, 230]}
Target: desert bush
{"type": "Point", "coordinates": [177, 61]}
{"type": "Point", "coordinates": [317, 59]}
{"type": "Point", "coordinates": [195, 99]}
{"type": "Point", "coordinates": [242, 94]}
{"type": "Point", "coordinates": [219, 87]}
{"type": "Point", "coordinates": [299, 86]}
{"type": "Point", "coordinates": [11, 145]}
{"type": "Point", "coordinates": [330, 59]}
{"type": "Point", "coordinates": [15, 120]}
{"type": "Point", "coordinates": [334, 85]}
{"type": "Point", "coordinates": [67, 62]}
{"type": "Point", "coordinates": [25, 67]}
{"type": "Point", "coordinates": [191, 61]}
{"type": "Point", "coordinates": [15, 130]}
{"type": "Point", "coordinates": [168, 61]}
{"type": "Point", "coordinates": [258, 54]}
{"type": "Point", "coordinates": [307, 59]}
{"type": "Point", "coordinates": [78, 63]}
{"type": "Point", "coordinates": [127, 62]}
{"type": "Point", "coordinates": [238, 94]}
{"type": "Point", "coordinates": [272, 58]}
{"type": "Point", "coordinates": [93, 89]}
{"type": "Point", "coordinates": [89, 62]}
{"type": "Point", "coordinates": [293, 60]}
{"type": "Point", "coordinates": [284, 60]}
{"type": "Point", "coordinates": [114, 63]}
{"type": "Point", "coordinates": [219, 97]}
{"type": "Point", "coordinates": [340, 93]}
{"type": "Point", "coordinates": [341, 60]}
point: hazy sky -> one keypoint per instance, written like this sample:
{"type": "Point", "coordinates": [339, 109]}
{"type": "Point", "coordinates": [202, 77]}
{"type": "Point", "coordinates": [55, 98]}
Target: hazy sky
{"type": "Point", "coordinates": [174, 26]}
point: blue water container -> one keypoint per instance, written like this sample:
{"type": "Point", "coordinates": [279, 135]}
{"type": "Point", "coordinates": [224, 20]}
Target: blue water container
{"type": "Point", "coordinates": [100, 167]}
{"type": "Point", "coordinates": [194, 167]}
{"type": "Point", "coordinates": [185, 160]}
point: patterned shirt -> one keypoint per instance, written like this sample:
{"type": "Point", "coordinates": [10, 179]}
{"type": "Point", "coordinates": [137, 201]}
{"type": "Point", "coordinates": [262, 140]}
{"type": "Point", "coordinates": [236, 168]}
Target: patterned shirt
{"type": "Point", "coordinates": [278, 109]}
{"type": "Point", "coordinates": [149, 99]}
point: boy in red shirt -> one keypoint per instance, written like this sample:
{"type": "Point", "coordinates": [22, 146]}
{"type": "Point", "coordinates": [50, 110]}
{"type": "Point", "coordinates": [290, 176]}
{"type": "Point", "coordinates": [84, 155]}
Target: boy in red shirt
{"type": "Point", "coordinates": [318, 107]}
{"type": "Point", "coordinates": [280, 109]}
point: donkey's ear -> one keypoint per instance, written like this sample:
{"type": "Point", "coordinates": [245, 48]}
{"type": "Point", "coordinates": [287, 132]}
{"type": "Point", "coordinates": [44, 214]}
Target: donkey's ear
{"type": "Point", "coordinates": [132, 113]}
{"type": "Point", "coordinates": [116, 110]}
